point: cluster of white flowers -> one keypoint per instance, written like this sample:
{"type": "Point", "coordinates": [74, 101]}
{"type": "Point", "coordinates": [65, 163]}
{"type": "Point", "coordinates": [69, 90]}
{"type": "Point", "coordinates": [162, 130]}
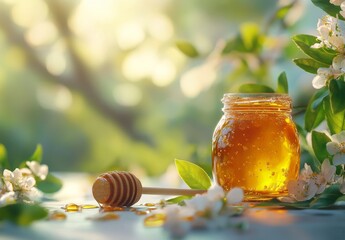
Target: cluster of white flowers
{"type": "Point", "coordinates": [330, 37]}
{"type": "Point", "coordinates": [340, 3]}
{"type": "Point", "coordinates": [209, 210]}
{"type": "Point", "coordinates": [312, 183]}
{"type": "Point", "coordinates": [19, 184]}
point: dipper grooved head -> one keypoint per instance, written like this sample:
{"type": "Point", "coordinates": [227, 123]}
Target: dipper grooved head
{"type": "Point", "coordinates": [117, 189]}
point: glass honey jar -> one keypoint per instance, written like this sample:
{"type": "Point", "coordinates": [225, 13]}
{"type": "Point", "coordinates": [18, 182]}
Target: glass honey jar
{"type": "Point", "coordinates": [255, 145]}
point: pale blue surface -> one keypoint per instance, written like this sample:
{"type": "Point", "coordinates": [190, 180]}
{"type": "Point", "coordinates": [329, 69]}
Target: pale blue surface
{"type": "Point", "coordinates": [264, 223]}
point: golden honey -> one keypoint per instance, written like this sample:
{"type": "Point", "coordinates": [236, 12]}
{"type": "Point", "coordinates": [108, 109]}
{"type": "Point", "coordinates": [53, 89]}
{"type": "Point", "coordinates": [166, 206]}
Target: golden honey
{"type": "Point", "coordinates": [255, 145]}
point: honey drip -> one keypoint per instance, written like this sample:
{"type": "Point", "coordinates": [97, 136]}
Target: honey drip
{"type": "Point", "coordinates": [89, 206]}
{"type": "Point", "coordinates": [105, 217]}
{"type": "Point", "coordinates": [72, 207]}
{"type": "Point", "coordinates": [112, 209]}
{"type": "Point", "coordinates": [57, 216]}
{"type": "Point", "coordinates": [155, 220]}
{"type": "Point", "coordinates": [141, 212]}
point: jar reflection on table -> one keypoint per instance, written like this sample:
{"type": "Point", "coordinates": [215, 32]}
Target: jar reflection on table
{"type": "Point", "coordinates": [255, 145]}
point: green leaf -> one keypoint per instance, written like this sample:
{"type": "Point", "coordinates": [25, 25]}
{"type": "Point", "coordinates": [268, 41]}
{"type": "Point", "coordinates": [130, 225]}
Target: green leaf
{"type": "Point", "coordinates": [329, 8]}
{"type": "Point", "coordinates": [319, 141]}
{"type": "Point", "coordinates": [337, 93]}
{"type": "Point", "coordinates": [234, 44]}
{"type": "Point", "coordinates": [250, 34]}
{"type": "Point", "coordinates": [276, 202]}
{"type": "Point", "coordinates": [327, 198]}
{"type": "Point", "coordinates": [187, 48]}
{"type": "Point", "coordinates": [255, 88]}
{"type": "Point", "coordinates": [37, 155]}
{"type": "Point", "coordinates": [22, 214]}
{"type": "Point", "coordinates": [309, 65]}
{"type": "Point", "coordinates": [303, 137]}
{"type": "Point", "coordinates": [50, 185]}
{"type": "Point", "coordinates": [340, 199]}
{"type": "Point", "coordinates": [322, 55]}
{"type": "Point", "coordinates": [283, 86]}
{"type": "Point", "coordinates": [193, 175]}
{"type": "Point", "coordinates": [178, 200]}
{"type": "Point", "coordinates": [335, 122]}
{"type": "Point", "coordinates": [249, 39]}
{"type": "Point", "coordinates": [4, 163]}
{"type": "Point", "coordinates": [283, 11]}
{"type": "Point", "coordinates": [315, 112]}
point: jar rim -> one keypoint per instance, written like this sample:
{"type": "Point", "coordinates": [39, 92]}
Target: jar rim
{"type": "Point", "coordinates": [256, 102]}
{"type": "Point", "coordinates": [256, 95]}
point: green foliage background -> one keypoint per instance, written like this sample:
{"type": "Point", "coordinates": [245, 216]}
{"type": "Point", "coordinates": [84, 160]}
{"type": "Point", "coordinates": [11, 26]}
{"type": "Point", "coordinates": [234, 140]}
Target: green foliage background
{"type": "Point", "coordinates": [165, 124]}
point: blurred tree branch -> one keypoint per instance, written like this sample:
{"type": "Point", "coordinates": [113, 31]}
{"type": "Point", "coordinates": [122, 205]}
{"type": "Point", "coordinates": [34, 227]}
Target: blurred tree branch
{"type": "Point", "coordinates": [81, 79]}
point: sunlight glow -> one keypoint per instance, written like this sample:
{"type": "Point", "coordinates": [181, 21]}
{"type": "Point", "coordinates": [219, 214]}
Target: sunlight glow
{"type": "Point", "coordinates": [164, 73]}
{"type": "Point", "coordinates": [160, 27]}
{"type": "Point", "coordinates": [55, 98]}
{"type": "Point", "coordinates": [139, 64]}
{"type": "Point", "coordinates": [127, 94]}
{"type": "Point", "coordinates": [197, 79]}
{"type": "Point", "coordinates": [56, 60]}
{"type": "Point", "coordinates": [129, 35]}
{"type": "Point", "coordinates": [27, 13]}
{"type": "Point", "coordinates": [41, 33]}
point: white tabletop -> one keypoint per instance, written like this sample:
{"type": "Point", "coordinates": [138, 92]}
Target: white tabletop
{"type": "Point", "coordinates": [263, 223]}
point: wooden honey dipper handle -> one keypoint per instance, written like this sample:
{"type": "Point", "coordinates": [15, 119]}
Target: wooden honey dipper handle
{"type": "Point", "coordinates": [124, 189]}
{"type": "Point", "coordinates": [172, 191]}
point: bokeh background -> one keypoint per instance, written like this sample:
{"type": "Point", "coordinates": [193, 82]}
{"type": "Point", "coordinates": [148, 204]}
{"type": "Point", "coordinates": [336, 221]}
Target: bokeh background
{"type": "Point", "coordinates": [102, 84]}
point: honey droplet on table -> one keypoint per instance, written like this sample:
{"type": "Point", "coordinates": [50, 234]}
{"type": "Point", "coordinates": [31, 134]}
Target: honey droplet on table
{"type": "Point", "coordinates": [141, 212]}
{"type": "Point", "coordinates": [72, 207]}
{"type": "Point", "coordinates": [89, 206]}
{"type": "Point", "coordinates": [155, 220]}
{"type": "Point", "coordinates": [105, 217]}
{"type": "Point", "coordinates": [149, 205]}
{"type": "Point", "coordinates": [57, 216]}
{"type": "Point", "coordinates": [112, 209]}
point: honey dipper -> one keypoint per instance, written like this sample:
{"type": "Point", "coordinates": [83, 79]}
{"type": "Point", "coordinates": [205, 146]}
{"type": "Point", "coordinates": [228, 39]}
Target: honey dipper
{"type": "Point", "coordinates": [118, 189]}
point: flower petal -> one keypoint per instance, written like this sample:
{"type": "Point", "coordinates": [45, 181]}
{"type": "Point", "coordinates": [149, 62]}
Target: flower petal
{"type": "Point", "coordinates": [7, 174]}
{"type": "Point", "coordinates": [234, 196]}
{"type": "Point", "coordinates": [216, 192]}
{"type": "Point", "coordinates": [319, 81]}
{"type": "Point", "coordinates": [17, 174]}
{"type": "Point", "coordinates": [328, 170]}
{"type": "Point", "coordinates": [332, 148]}
{"type": "Point", "coordinates": [339, 138]}
{"type": "Point", "coordinates": [339, 159]}
{"type": "Point", "coordinates": [342, 187]}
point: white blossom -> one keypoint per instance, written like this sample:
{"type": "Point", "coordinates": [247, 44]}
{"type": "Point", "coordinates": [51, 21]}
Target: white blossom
{"type": "Point", "coordinates": [330, 35]}
{"type": "Point", "coordinates": [37, 169]}
{"type": "Point", "coordinates": [325, 177]}
{"type": "Point", "coordinates": [7, 198]}
{"type": "Point", "coordinates": [341, 182]}
{"type": "Point", "coordinates": [18, 180]}
{"type": "Point", "coordinates": [301, 190]}
{"type": "Point", "coordinates": [336, 148]}
{"type": "Point", "coordinates": [215, 193]}
{"type": "Point", "coordinates": [338, 65]}
{"type": "Point", "coordinates": [342, 6]}
{"type": "Point", "coordinates": [310, 183]}
{"type": "Point", "coordinates": [324, 75]}
{"type": "Point", "coordinates": [336, 2]}
{"type": "Point", "coordinates": [235, 196]}
{"type": "Point", "coordinates": [201, 211]}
